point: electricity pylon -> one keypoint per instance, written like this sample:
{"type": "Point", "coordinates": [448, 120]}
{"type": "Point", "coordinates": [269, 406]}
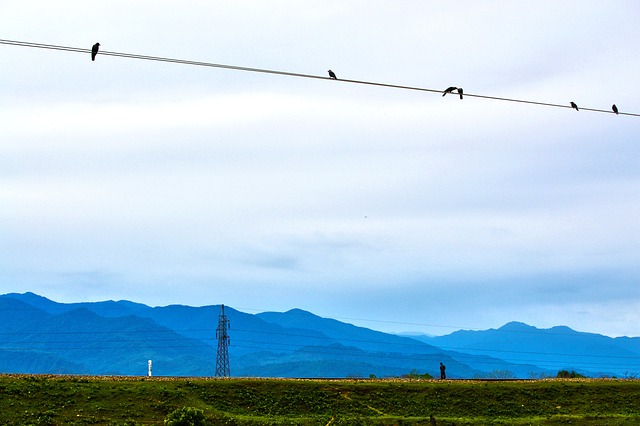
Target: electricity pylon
{"type": "Point", "coordinates": [222, 358]}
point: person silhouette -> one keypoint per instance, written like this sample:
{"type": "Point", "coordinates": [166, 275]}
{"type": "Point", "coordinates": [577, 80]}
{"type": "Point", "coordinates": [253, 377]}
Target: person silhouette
{"type": "Point", "coordinates": [443, 375]}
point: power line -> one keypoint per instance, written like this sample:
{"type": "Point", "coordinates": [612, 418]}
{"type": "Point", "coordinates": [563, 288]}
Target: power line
{"type": "Point", "coordinates": [268, 344]}
{"type": "Point", "coordinates": [343, 351]}
{"type": "Point", "coordinates": [419, 344]}
{"type": "Point", "coordinates": [293, 74]}
{"type": "Point", "coordinates": [613, 361]}
{"type": "Point", "coordinates": [416, 343]}
{"type": "Point", "coordinates": [65, 308]}
{"type": "Point", "coordinates": [549, 331]}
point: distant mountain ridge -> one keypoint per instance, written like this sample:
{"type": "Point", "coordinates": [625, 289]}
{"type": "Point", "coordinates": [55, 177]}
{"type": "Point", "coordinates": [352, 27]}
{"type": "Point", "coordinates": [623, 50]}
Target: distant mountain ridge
{"type": "Point", "coordinates": [555, 348]}
{"type": "Point", "coordinates": [38, 335]}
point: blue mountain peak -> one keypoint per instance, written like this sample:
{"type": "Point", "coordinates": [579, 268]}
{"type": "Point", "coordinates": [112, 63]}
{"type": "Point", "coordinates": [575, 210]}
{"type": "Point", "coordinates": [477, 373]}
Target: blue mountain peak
{"type": "Point", "coordinates": [517, 326]}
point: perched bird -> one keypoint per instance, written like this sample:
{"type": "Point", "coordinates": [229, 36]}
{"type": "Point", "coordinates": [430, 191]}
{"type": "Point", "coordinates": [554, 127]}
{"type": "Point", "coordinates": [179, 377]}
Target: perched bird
{"type": "Point", "coordinates": [574, 106]}
{"type": "Point", "coordinates": [614, 108]}
{"type": "Point", "coordinates": [332, 75]}
{"type": "Point", "coordinates": [460, 92]}
{"type": "Point", "coordinates": [449, 90]}
{"type": "Point", "coordinates": [94, 51]}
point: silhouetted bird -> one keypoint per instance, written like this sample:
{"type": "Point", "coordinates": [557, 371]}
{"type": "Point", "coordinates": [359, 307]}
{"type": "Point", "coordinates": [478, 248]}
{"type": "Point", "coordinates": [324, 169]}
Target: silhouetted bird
{"type": "Point", "coordinates": [94, 51]}
{"type": "Point", "coordinates": [432, 420]}
{"type": "Point", "coordinates": [332, 75]}
{"type": "Point", "coordinates": [574, 106]}
{"type": "Point", "coordinates": [449, 90]}
{"type": "Point", "coordinates": [614, 108]}
{"type": "Point", "coordinates": [460, 92]}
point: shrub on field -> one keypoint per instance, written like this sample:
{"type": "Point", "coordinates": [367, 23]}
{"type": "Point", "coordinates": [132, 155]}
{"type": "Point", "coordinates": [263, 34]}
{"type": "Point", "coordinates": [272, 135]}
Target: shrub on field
{"type": "Point", "coordinates": [565, 374]}
{"type": "Point", "coordinates": [186, 416]}
{"type": "Point", "coordinates": [415, 374]}
{"type": "Point", "coordinates": [501, 374]}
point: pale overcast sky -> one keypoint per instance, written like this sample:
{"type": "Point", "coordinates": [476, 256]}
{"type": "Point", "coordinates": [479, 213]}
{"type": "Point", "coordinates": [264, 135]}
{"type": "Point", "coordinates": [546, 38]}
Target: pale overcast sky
{"type": "Point", "coordinates": [394, 209]}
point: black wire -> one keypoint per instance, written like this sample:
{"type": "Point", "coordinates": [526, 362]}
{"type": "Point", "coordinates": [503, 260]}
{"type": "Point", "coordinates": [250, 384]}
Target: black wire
{"type": "Point", "coordinates": [64, 308]}
{"type": "Point", "coordinates": [292, 74]}
{"type": "Point", "coordinates": [69, 307]}
{"type": "Point", "coordinates": [418, 343]}
{"type": "Point", "coordinates": [268, 345]}
{"type": "Point", "coordinates": [291, 348]}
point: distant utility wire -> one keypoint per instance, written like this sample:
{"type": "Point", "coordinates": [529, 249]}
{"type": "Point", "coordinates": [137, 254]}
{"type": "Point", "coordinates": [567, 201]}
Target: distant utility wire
{"type": "Point", "coordinates": [276, 347]}
{"type": "Point", "coordinates": [105, 340]}
{"type": "Point", "coordinates": [64, 309]}
{"type": "Point", "coordinates": [291, 74]}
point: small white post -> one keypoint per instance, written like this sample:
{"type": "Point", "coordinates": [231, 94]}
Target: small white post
{"type": "Point", "coordinates": [149, 364]}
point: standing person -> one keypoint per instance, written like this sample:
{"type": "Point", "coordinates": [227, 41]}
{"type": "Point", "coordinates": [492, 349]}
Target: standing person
{"type": "Point", "coordinates": [443, 375]}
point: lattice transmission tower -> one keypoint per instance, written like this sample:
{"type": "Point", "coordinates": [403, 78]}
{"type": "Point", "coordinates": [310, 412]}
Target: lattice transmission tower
{"type": "Point", "coordinates": [222, 358]}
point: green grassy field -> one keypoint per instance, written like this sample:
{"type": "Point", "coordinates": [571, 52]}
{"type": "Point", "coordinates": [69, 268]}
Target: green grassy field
{"type": "Point", "coordinates": [79, 400]}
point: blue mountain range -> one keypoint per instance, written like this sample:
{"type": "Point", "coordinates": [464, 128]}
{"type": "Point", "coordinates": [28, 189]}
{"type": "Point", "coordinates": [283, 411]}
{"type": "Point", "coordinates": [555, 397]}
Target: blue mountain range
{"type": "Point", "coordinates": [38, 335]}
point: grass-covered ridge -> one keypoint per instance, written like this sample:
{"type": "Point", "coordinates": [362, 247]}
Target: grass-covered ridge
{"type": "Point", "coordinates": [58, 400]}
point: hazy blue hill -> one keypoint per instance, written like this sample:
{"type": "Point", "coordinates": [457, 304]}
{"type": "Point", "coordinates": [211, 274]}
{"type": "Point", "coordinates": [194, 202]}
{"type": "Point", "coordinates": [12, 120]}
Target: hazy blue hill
{"type": "Point", "coordinates": [17, 362]}
{"type": "Point", "coordinates": [317, 369]}
{"type": "Point", "coordinates": [123, 345]}
{"type": "Point", "coordinates": [16, 315]}
{"type": "Point", "coordinates": [348, 334]}
{"type": "Point", "coordinates": [195, 323]}
{"type": "Point", "coordinates": [380, 353]}
{"type": "Point", "coordinates": [112, 309]}
{"type": "Point", "coordinates": [34, 301]}
{"type": "Point", "coordinates": [631, 344]}
{"type": "Point", "coordinates": [249, 333]}
{"type": "Point", "coordinates": [83, 342]}
{"type": "Point", "coordinates": [518, 327]}
{"type": "Point", "coordinates": [514, 332]}
{"type": "Point", "coordinates": [199, 323]}
{"type": "Point", "coordinates": [17, 321]}
{"type": "Point", "coordinates": [555, 348]}
{"type": "Point", "coordinates": [343, 361]}
{"type": "Point", "coordinates": [107, 308]}
{"type": "Point", "coordinates": [118, 337]}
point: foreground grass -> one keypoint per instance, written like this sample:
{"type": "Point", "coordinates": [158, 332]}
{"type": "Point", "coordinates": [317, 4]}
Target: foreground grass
{"type": "Point", "coordinates": [76, 400]}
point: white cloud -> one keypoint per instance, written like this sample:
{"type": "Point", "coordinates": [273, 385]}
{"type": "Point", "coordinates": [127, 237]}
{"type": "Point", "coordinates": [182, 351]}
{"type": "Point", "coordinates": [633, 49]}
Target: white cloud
{"type": "Point", "coordinates": [160, 182]}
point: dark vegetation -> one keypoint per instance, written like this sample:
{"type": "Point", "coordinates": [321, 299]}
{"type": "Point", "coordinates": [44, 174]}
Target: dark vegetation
{"type": "Point", "coordinates": [79, 400]}
{"type": "Point", "coordinates": [415, 374]}
{"type": "Point", "coordinates": [564, 374]}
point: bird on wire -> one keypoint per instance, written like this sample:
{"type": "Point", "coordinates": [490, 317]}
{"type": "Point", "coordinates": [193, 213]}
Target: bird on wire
{"type": "Point", "coordinates": [614, 108]}
{"type": "Point", "coordinates": [332, 75]}
{"type": "Point", "coordinates": [449, 90]}
{"type": "Point", "coordinates": [460, 92]}
{"type": "Point", "coordinates": [94, 51]}
{"type": "Point", "coordinates": [574, 106]}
